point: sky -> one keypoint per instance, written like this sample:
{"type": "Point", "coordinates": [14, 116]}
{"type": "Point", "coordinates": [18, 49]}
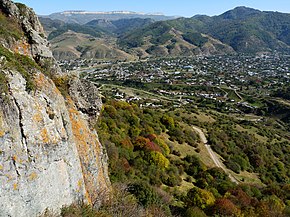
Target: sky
{"type": "Point", "coordinates": [186, 8]}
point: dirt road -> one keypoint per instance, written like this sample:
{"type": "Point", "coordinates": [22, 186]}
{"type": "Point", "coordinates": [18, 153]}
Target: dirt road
{"type": "Point", "coordinates": [212, 154]}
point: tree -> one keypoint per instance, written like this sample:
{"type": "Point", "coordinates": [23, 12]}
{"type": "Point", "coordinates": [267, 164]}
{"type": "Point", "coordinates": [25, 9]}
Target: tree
{"type": "Point", "coordinates": [144, 193]}
{"type": "Point", "coordinates": [159, 160]}
{"type": "Point", "coordinates": [200, 198]}
{"type": "Point", "coordinates": [194, 212]}
{"type": "Point", "coordinates": [225, 207]}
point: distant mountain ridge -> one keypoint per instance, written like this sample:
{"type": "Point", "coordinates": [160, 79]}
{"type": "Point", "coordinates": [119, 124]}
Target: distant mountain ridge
{"type": "Point", "coordinates": [110, 12]}
{"type": "Point", "coordinates": [241, 30]}
{"type": "Point", "coordinates": [83, 17]}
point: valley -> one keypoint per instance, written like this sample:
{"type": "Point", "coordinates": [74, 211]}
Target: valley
{"type": "Point", "coordinates": [141, 114]}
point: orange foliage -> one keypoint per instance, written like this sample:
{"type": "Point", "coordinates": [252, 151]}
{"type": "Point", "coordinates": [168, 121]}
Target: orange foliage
{"type": "Point", "coordinates": [126, 143]}
{"type": "Point", "coordinates": [141, 142]}
{"type": "Point", "coordinates": [151, 146]}
{"type": "Point", "coordinates": [225, 207]}
{"type": "Point", "coordinates": [125, 164]}
{"type": "Point", "coordinates": [152, 137]}
{"type": "Point", "coordinates": [146, 144]}
{"type": "Point", "coordinates": [241, 198]}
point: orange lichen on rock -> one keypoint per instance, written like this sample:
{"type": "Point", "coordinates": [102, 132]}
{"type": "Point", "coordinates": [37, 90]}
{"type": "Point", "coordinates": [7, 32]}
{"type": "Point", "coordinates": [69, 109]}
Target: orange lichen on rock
{"type": "Point", "coordinates": [37, 117]}
{"type": "Point", "coordinates": [89, 153]}
{"type": "Point", "coordinates": [15, 186]}
{"type": "Point", "coordinates": [32, 176]}
{"type": "Point", "coordinates": [14, 158]}
{"type": "Point", "coordinates": [43, 82]}
{"type": "Point", "coordinates": [80, 185]}
{"type": "Point", "coordinates": [44, 135]}
{"type": "Point", "coordinates": [22, 47]}
{"type": "Point", "coordinates": [2, 130]}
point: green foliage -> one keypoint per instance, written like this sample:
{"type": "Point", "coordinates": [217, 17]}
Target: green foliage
{"type": "Point", "coordinates": [9, 28]}
{"type": "Point", "coordinates": [193, 166]}
{"type": "Point", "coordinates": [260, 31]}
{"type": "Point", "coordinates": [82, 210]}
{"type": "Point", "coordinates": [128, 133]}
{"type": "Point", "coordinates": [144, 193]}
{"type": "Point", "coordinates": [3, 85]}
{"type": "Point", "coordinates": [243, 151]}
{"type": "Point", "coordinates": [158, 32]}
{"type": "Point", "coordinates": [283, 93]}
{"type": "Point", "coordinates": [194, 212]}
{"type": "Point", "coordinates": [21, 6]}
{"type": "Point", "coordinates": [138, 153]}
{"type": "Point", "coordinates": [135, 143]}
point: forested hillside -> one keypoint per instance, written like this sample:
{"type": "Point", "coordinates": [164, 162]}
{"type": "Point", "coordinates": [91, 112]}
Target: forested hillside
{"type": "Point", "coordinates": [160, 157]}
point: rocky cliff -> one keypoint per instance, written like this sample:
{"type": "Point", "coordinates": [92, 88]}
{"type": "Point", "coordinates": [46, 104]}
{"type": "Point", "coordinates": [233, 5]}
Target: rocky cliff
{"type": "Point", "coordinates": [50, 155]}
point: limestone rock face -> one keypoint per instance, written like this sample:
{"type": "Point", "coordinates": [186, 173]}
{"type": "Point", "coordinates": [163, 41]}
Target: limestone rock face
{"type": "Point", "coordinates": [49, 154]}
{"type": "Point", "coordinates": [34, 43]}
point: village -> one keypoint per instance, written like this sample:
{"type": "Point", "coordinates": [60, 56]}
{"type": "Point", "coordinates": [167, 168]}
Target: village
{"type": "Point", "coordinates": [232, 82]}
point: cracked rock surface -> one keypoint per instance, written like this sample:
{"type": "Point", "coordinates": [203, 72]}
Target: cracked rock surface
{"type": "Point", "coordinates": [49, 154]}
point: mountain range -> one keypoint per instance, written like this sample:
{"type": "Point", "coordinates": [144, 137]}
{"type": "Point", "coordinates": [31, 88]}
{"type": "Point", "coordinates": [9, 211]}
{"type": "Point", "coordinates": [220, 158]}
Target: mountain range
{"type": "Point", "coordinates": [82, 17]}
{"type": "Point", "coordinates": [132, 35]}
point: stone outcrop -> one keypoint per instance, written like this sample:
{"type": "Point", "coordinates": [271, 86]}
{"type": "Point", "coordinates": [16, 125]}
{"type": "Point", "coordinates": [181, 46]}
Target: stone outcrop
{"type": "Point", "coordinates": [34, 43]}
{"type": "Point", "coordinates": [49, 154]}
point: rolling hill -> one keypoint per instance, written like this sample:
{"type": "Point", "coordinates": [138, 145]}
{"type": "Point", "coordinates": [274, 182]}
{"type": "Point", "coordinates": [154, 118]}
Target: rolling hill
{"type": "Point", "coordinates": [72, 45]}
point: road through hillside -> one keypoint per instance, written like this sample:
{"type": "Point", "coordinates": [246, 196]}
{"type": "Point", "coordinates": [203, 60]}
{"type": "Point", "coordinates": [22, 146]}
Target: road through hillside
{"type": "Point", "coordinates": [212, 154]}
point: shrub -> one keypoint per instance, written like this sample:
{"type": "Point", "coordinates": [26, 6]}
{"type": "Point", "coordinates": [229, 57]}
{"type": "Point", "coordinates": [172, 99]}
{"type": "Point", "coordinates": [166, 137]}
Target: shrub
{"type": "Point", "coordinates": [194, 212]}
{"type": "Point", "coordinates": [144, 193]}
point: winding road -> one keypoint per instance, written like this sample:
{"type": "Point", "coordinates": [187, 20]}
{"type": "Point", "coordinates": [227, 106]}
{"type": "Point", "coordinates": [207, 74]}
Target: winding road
{"type": "Point", "coordinates": [212, 154]}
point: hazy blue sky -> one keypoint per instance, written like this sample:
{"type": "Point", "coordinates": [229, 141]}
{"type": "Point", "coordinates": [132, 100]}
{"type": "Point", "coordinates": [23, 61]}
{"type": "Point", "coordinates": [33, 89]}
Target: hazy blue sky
{"type": "Point", "coordinates": [169, 7]}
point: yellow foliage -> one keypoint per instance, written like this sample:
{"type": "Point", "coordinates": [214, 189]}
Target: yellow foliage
{"type": "Point", "coordinates": [163, 146]}
{"type": "Point", "coordinates": [200, 198]}
{"type": "Point", "coordinates": [158, 159]}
